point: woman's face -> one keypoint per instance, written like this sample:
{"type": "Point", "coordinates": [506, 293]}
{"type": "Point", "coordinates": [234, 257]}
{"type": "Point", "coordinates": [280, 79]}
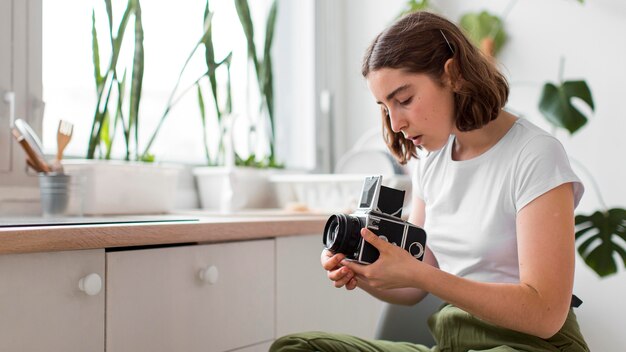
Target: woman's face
{"type": "Point", "coordinates": [419, 107]}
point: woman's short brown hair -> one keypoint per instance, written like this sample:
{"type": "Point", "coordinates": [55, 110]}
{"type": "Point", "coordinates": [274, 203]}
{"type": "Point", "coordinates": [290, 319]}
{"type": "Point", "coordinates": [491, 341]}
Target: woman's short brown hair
{"type": "Point", "coordinates": [422, 42]}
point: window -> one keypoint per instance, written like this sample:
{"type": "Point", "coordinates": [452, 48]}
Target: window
{"type": "Point", "coordinates": [171, 30]}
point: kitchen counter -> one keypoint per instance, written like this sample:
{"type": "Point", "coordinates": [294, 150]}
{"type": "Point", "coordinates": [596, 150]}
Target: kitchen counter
{"type": "Point", "coordinates": [182, 227]}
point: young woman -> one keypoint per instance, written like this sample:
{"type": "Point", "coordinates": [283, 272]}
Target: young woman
{"type": "Point", "coordinates": [495, 194]}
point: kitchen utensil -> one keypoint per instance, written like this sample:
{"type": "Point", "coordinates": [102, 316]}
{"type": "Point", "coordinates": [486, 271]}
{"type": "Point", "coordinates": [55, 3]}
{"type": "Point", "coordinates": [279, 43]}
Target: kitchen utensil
{"type": "Point", "coordinates": [34, 142]}
{"type": "Point", "coordinates": [64, 135]}
{"type": "Point", "coordinates": [36, 162]}
{"type": "Point", "coordinates": [30, 136]}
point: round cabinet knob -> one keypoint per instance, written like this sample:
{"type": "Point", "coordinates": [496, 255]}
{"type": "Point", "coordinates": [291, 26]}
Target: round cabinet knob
{"type": "Point", "coordinates": [91, 284]}
{"type": "Point", "coordinates": [209, 275]}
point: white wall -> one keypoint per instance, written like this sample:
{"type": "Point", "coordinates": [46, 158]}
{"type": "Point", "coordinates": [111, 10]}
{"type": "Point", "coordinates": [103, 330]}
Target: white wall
{"type": "Point", "coordinates": [590, 37]}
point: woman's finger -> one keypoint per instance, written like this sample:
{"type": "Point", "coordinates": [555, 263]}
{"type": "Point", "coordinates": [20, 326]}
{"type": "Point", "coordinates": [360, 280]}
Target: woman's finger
{"type": "Point", "coordinates": [333, 262]}
{"type": "Point", "coordinates": [344, 280]}
{"type": "Point", "coordinates": [351, 285]}
{"type": "Point", "coordinates": [338, 274]}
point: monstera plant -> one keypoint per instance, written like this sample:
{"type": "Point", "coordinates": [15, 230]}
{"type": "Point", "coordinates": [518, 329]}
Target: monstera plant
{"type": "Point", "coordinates": [598, 234]}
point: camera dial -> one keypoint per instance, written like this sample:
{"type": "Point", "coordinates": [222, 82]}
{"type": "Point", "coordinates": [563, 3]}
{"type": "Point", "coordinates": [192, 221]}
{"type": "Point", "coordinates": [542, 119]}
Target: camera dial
{"type": "Point", "coordinates": [416, 249]}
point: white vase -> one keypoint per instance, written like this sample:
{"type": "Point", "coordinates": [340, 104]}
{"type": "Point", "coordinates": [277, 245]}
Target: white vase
{"type": "Point", "coordinates": [120, 187]}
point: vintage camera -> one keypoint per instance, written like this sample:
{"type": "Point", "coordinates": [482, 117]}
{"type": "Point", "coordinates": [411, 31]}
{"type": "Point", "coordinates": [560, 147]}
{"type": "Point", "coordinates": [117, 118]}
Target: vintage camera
{"type": "Point", "coordinates": [380, 210]}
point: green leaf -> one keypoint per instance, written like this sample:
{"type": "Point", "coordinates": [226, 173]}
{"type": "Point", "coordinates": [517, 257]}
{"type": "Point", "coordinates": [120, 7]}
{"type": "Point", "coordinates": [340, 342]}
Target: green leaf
{"type": "Point", "coordinates": [170, 103]}
{"type": "Point", "coordinates": [209, 58]}
{"type": "Point", "coordinates": [136, 80]}
{"type": "Point", "coordinates": [267, 79]}
{"type": "Point", "coordinates": [243, 11]}
{"type": "Point", "coordinates": [148, 158]}
{"type": "Point", "coordinates": [599, 229]}
{"type": "Point", "coordinates": [95, 48]}
{"type": "Point", "coordinates": [109, 8]}
{"type": "Point", "coordinates": [556, 104]}
{"type": "Point", "coordinates": [483, 25]}
{"type": "Point", "coordinates": [205, 138]}
{"type": "Point", "coordinates": [414, 5]}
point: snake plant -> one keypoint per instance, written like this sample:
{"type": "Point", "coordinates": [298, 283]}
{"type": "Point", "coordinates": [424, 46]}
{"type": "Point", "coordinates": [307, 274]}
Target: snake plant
{"type": "Point", "coordinates": [263, 69]}
{"type": "Point", "coordinates": [211, 74]}
{"type": "Point", "coordinates": [108, 115]}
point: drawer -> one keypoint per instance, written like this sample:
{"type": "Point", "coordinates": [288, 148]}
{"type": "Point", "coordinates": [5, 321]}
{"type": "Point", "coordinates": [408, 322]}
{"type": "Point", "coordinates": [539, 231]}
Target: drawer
{"type": "Point", "coordinates": [157, 300]}
{"type": "Point", "coordinates": [42, 307]}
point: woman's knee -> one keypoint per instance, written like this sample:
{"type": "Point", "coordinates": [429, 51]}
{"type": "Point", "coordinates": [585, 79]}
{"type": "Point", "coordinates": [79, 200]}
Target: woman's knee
{"type": "Point", "coordinates": [294, 342]}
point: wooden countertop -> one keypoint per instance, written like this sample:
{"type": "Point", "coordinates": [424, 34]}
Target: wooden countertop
{"type": "Point", "coordinates": [188, 227]}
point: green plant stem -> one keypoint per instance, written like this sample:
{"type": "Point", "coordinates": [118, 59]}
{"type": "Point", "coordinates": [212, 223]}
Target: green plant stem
{"type": "Point", "coordinates": [561, 69]}
{"type": "Point", "coordinates": [98, 119]}
{"type": "Point", "coordinates": [170, 104]}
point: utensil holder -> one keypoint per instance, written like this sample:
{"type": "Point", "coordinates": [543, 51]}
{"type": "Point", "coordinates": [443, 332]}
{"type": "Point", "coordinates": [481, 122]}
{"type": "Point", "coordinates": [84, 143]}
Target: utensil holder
{"type": "Point", "coordinates": [61, 194]}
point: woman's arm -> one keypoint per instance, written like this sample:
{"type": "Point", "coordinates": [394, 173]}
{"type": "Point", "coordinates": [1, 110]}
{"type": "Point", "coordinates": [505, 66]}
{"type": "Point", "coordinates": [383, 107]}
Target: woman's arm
{"type": "Point", "coordinates": [404, 296]}
{"type": "Point", "coordinates": [537, 305]}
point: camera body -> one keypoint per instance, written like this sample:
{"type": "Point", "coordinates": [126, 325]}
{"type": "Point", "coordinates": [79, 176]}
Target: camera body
{"type": "Point", "coordinates": [380, 210]}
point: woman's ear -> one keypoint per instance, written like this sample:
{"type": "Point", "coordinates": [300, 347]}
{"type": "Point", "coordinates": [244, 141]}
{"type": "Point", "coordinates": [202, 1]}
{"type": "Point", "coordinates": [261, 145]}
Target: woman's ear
{"type": "Point", "coordinates": [451, 75]}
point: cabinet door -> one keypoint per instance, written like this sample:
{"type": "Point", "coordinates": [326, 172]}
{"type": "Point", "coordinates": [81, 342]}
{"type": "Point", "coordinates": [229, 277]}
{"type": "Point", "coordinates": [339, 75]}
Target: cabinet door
{"type": "Point", "coordinates": [42, 307]}
{"type": "Point", "coordinates": [156, 300]}
{"type": "Point", "coordinates": [307, 300]}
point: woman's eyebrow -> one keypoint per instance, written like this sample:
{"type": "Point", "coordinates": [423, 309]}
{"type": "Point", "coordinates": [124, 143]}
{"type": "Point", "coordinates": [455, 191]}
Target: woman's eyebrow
{"type": "Point", "coordinates": [396, 91]}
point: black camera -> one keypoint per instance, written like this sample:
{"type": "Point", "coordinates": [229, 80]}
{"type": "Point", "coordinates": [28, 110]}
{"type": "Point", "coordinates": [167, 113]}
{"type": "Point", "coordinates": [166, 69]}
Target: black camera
{"type": "Point", "coordinates": [380, 210]}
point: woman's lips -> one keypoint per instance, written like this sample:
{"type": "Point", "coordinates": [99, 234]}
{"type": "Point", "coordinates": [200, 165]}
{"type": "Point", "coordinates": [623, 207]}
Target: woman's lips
{"type": "Point", "coordinates": [417, 140]}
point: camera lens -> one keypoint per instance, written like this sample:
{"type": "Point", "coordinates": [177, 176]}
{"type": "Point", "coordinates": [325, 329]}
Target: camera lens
{"type": "Point", "coordinates": [341, 234]}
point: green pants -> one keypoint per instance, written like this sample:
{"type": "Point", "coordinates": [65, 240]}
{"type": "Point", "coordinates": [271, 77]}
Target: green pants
{"type": "Point", "coordinates": [453, 329]}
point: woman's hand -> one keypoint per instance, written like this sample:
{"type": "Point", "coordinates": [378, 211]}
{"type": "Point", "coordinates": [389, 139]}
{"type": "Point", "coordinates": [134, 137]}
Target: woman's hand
{"type": "Point", "coordinates": [392, 269]}
{"type": "Point", "coordinates": [336, 272]}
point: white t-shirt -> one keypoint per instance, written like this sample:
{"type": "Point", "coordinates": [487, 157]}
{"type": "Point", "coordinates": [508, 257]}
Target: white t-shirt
{"type": "Point", "coordinates": [471, 205]}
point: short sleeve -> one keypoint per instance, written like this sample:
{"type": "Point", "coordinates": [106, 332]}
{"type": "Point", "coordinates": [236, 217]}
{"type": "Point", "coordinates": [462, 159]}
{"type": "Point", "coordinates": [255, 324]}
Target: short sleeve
{"type": "Point", "coordinates": [543, 165]}
{"type": "Point", "coordinates": [417, 184]}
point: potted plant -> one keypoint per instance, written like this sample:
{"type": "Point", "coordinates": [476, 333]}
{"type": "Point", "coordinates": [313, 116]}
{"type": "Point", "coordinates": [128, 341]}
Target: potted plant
{"type": "Point", "coordinates": [129, 185]}
{"type": "Point", "coordinates": [232, 181]}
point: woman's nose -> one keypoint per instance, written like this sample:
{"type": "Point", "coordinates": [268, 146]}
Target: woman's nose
{"type": "Point", "coordinates": [398, 122]}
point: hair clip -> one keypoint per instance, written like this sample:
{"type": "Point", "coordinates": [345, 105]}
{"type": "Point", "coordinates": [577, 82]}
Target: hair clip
{"type": "Point", "coordinates": [449, 46]}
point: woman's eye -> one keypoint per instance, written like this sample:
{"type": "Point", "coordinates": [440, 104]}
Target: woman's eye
{"type": "Point", "coordinates": [407, 101]}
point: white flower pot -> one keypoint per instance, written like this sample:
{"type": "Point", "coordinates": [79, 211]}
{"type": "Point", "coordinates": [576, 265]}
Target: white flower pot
{"type": "Point", "coordinates": [234, 188]}
{"type": "Point", "coordinates": [119, 187]}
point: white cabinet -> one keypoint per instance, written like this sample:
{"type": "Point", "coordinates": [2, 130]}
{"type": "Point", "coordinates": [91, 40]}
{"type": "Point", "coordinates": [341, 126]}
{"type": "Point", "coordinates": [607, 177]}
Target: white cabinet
{"type": "Point", "coordinates": [42, 307]}
{"type": "Point", "coordinates": [215, 297]}
{"type": "Point", "coordinates": [306, 299]}
{"type": "Point", "coordinates": [236, 296]}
